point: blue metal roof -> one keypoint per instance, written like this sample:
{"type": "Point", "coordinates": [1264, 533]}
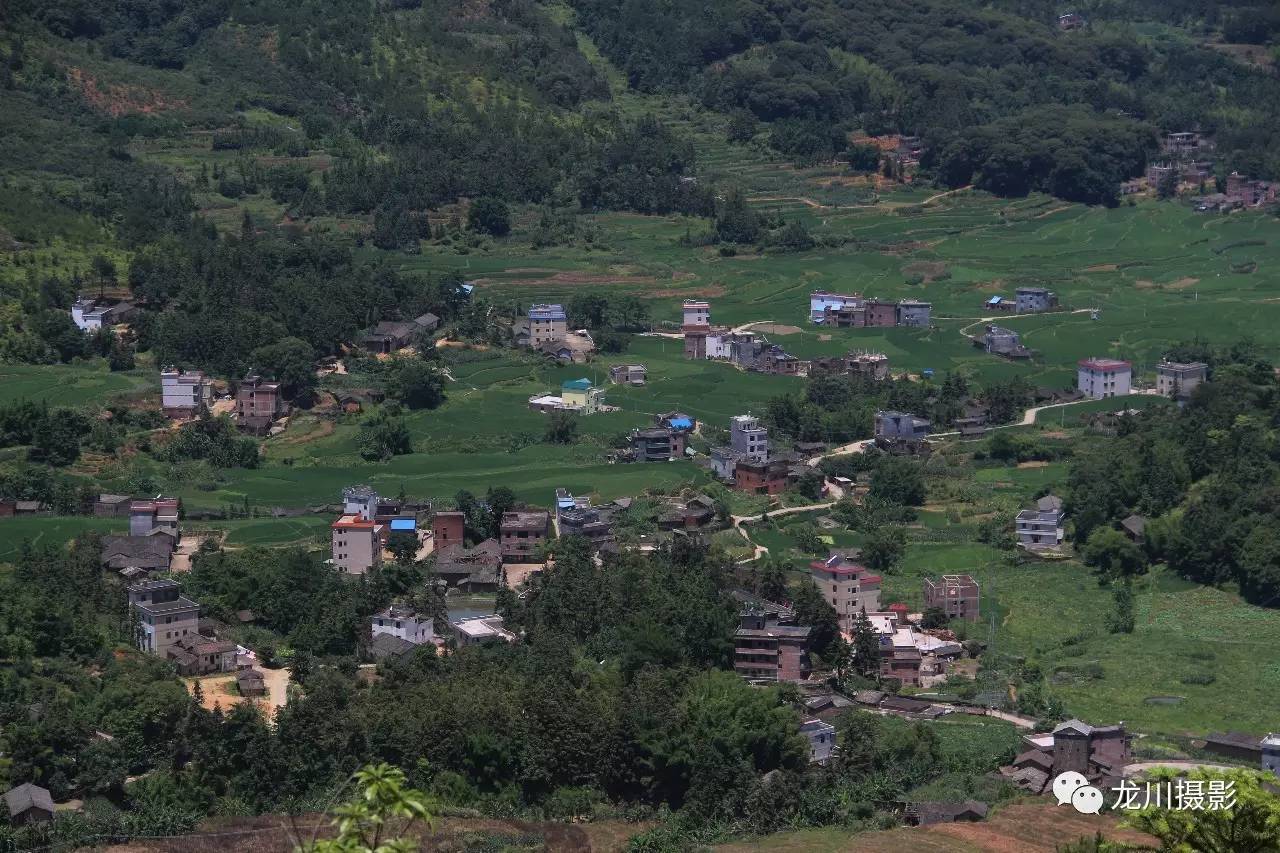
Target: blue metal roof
{"type": "Point", "coordinates": [404, 524]}
{"type": "Point", "coordinates": [681, 423]}
{"type": "Point", "coordinates": [583, 384]}
{"type": "Point", "coordinates": [995, 300]}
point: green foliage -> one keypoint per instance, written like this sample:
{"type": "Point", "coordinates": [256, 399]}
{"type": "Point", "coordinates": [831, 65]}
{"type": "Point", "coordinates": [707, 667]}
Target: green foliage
{"type": "Point", "coordinates": [898, 480]}
{"type": "Point", "coordinates": [736, 222]}
{"type": "Point", "coordinates": [415, 384]}
{"type": "Point", "coordinates": [212, 439]}
{"type": "Point", "coordinates": [1122, 621]}
{"type": "Point", "coordinates": [1252, 823]}
{"type": "Point", "coordinates": [289, 361]}
{"type": "Point", "coordinates": [383, 435]}
{"type": "Point", "coordinates": [489, 216]}
{"type": "Point", "coordinates": [562, 428]}
{"type": "Point", "coordinates": [379, 817]}
{"type": "Point", "coordinates": [883, 548]}
{"type": "Point", "coordinates": [1112, 554]}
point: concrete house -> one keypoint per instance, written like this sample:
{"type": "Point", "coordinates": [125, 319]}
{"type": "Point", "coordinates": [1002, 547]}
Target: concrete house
{"type": "Point", "coordinates": [696, 326]}
{"type": "Point", "coordinates": [356, 544]}
{"type": "Point", "coordinates": [259, 404]}
{"type": "Point", "coordinates": [522, 535]}
{"type": "Point", "coordinates": [480, 630]}
{"type": "Point", "coordinates": [628, 374]}
{"type": "Point", "coordinates": [1100, 378]}
{"type": "Point", "coordinates": [581, 396]}
{"type": "Point", "coordinates": [955, 595]}
{"type": "Point", "coordinates": [148, 516]}
{"type": "Point", "coordinates": [1177, 380]}
{"type": "Point", "coordinates": [881, 314]}
{"type": "Point", "coordinates": [847, 586]}
{"type": "Point", "coordinates": [162, 615]}
{"type": "Point", "coordinates": [748, 438]}
{"type": "Point", "coordinates": [197, 654]}
{"type": "Point", "coordinates": [821, 302]}
{"type": "Point", "coordinates": [657, 444]}
{"type": "Point", "coordinates": [184, 395]}
{"type": "Point", "coordinates": [93, 315]}
{"type": "Point", "coordinates": [761, 478]}
{"type": "Point", "coordinates": [28, 804]}
{"type": "Point", "coordinates": [769, 652]}
{"type": "Point", "coordinates": [404, 622]}
{"type": "Point", "coordinates": [1030, 300]}
{"type": "Point", "coordinates": [250, 682]}
{"type": "Point", "coordinates": [1042, 526]}
{"type": "Point", "coordinates": [913, 313]}
{"type": "Point", "coordinates": [547, 322]}
{"type": "Point", "coordinates": [822, 740]}
{"type": "Point", "coordinates": [112, 506]}
{"type": "Point", "coordinates": [1271, 754]}
{"type": "Point", "coordinates": [392, 335]}
{"type": "Point", "coordinates": [899, 426]}
{"type": "Point", "coordinates": [998, 340]}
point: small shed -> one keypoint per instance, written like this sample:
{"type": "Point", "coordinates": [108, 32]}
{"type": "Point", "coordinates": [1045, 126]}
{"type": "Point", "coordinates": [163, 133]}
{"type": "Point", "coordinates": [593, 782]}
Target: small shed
{"type": "Point", "coordinates": [1135, 527]}
{"type": "Point", "coordinates": [251, 682]}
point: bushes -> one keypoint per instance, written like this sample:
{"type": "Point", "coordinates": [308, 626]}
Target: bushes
{"type": "Point", "coordinates": [213, 440]}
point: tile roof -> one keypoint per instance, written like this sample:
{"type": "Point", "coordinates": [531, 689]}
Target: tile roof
{"type": "Point", "coordinates": [27, 796]}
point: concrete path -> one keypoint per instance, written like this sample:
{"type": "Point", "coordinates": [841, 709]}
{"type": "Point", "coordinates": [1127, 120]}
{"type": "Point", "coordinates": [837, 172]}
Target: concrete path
{"type": "Point", "coordinates": [1144, 766]}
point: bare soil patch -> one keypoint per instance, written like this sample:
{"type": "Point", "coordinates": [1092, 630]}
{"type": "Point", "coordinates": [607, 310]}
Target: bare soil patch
{"type": "Point", "coordinates": [1182, 283]}
{"type": "Point", "coordinates": [777, 329]}
{"type": "Point", "coordinates": [116, 99]}
{"type": "Point", "coordinates": [1037, 464]}
{"type": "Point", "coordinates": [1102, 268]}
{"type": "Point", "coordinates": [824, 337]}
{"type": "Point", "coordinates": [707, 291]}
{"type": "Point", "coordinates": [928, 270]}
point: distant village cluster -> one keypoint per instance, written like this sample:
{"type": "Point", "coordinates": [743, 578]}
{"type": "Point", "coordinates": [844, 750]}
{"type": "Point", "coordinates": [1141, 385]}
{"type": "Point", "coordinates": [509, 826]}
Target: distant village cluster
{"type": "Point", "coordinates": [1187, 166]}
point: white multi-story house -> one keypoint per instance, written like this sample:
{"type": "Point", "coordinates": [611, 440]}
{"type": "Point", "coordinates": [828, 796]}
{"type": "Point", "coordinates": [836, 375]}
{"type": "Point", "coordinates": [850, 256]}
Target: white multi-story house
{"type": "Point", "coordinates": [1041, 526]}
{"type": "Point", "coordinates": [405, 623]}
{"type": "Point", "coordinates": [184, 395]}
{"type": "Point", "coordinates": [1100, 378]}
{"type": "Point", "coordinates": [162, 615]}
{"type": "Point", "coordinates": [357, 544]}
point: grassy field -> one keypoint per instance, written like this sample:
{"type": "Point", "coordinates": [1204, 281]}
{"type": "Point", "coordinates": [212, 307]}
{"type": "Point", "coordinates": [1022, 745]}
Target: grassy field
{"type": "Point", "coordinates": [69, 385]}
{"type": "Point", "coordinates": [50, 530]}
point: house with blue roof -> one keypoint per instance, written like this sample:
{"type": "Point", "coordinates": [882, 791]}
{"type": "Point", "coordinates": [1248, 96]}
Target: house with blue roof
{"type": "Point", "coordinates": [1000, 303]}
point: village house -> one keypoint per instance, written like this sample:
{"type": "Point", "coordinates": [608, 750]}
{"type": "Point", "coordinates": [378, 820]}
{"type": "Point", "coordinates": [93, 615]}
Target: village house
{"type": "Point", "coordinates": [357, 543]}
{"type": "Point", "coordinates": [1042, 526]}
{"type": "Point", "coordinates": [881, 314]}
{"type": "Point", "coordinates": [150, 516]}
{"type": "Point", "coordinates": [1249, 193]}
{"type": "Point", "coordinates": [259, 404]}
{"type": "Point", "coordinates": [392, 335]}
{"type": "Point", "coordinates": [1134, 527]}
{"type": "Point", "coordinates": [1237, 745]}
{"type": "Point", "coordinates": [197, 654]}
{"type": "Point", "coordinates": [547, 323]}
{"type": "Point", "coordinates": [402, 622]}
{"type": "Point", "coordinates": [928, 814]}
{"type": "Point", "coordinates": [1184, 143]}
{"type": "Point", "coordinates": [721, 340]}
{"type": "Point", "coordinates": [998, 340]}
{"type": "Point", "coordinates": [152, 553]}
{"type": "Point", "coordinates": [913, 313]}
{"type": "Point", "coordinates": [112, 506]}
{"type": "Point", "coordinates": [657, 444]}
{"type": "Point", "coordinates": [94, 315]}
{"type": "Point", "coordinates": [628, 374]}
{"type": "Point", "coordinates": [1030, 300]}
{"type": "Point", "coordinates": [1271, 754]}
{"type": "Point", "coordinates": [748, 438]}
{"type": "Point", "coordinates": [1100, 378]}
{"type": "Point", "coordinates": [847, 586]}
{"type": "Point", "coordinates": [691, 514]}
{"type": "Point", "coordinates": [448, 528]}
{"type": "Point", "coordinates": [477, 569]}
{"type": "Point", "coordinates": [1000, 303]}
{"type": "Point", "coordinates": [898, 432]}
{"type": "Point", "coordinates": [184, 395]}
{"type": "Point", "coordinates": [821, 302]}
{"type": "Point", "coordinates": [478, 630]}
{"type": "Point", "coordinates": [677, 421]}
{"type": "Point", "coordinates": [900, 658]}
{"type": "Point", "coordinates": [522, 535]}
{"type": "Point", "coordinates": [766, 651]}
{"type": "Point", "coordinates": [574, 348]}
{"type": "Point", "coordinates": [696, 326]}
{"type": "Point", "coordinates": [869, 365]}
{"type": "Point", "coordinates": [1177, 380]}
{"type": "Point", "coordinates": [162, 615]}
{"type": "Point", "coordinates": [1100, 753]}
{"type": "Point", "coordinates": [28, 804]}
{"type": "Point", "coordinates": [576, 395]}
{"type": "Point", "coordinates": [955, 595]}
{"type": "Point", "coordinates": [251, 683]}
{"type": "Point", "coordinates": [1071, 21]}
{"type": "Point", "coordinates": [822, 740]}
{"type": "Point", "coordinates": [761, 478]}
{"type": "Point", "coordinates": [577, 517]}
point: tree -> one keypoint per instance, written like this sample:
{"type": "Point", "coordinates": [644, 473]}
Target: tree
{"type": "Point", "coordinates": [898, 480]}
{"type": "Point", "coordinates": [489, 216]}
{"type": "Point", "coordinates": [1112, 554]}
{"type": "Point", "coordinates": [736, 222]}
{"type": "Point", "coordinates": [1167, 187]}
{"type": "Point", "coordinates": [742, 126]}
{"type": "Point", "coordinates": [934, 617]}
{"type": "Point", "coordinates": [865, 648]}
{"type": "Point", "coordinates": [379, 818]}
{"type": "Point", "coordinates": [883, 547]}
{"type": "Point", "coordinates": [811, 483]}
{"type": "Point", "coordinates": [1122, 621]}
{"type": "Point", "coordinates": [1251, 825]}
{"type": "Point", "coordinates": [816, 612]}
{"type": "Point", "coordinates": [415, 384]}
{"type": "Point", "coordinates": [562, 428]}
{"type": "Point", "coordinates": [499, 500]}
{"type": "Point", "coordinates": [382, 436]}
{"type": "Point", "coordinates": [291, 362]}
{"type": "Point", "coordinates": [404, 545]}
{"type": "Point", "coordinates": [863, 157]}
{"type": "Point", "coordinates": [809, 540]}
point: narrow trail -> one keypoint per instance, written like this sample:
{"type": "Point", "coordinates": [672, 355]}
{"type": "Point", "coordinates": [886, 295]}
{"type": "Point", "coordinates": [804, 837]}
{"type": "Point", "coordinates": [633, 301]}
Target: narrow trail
{"type": "Point", "coordinates": [931, 199]}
